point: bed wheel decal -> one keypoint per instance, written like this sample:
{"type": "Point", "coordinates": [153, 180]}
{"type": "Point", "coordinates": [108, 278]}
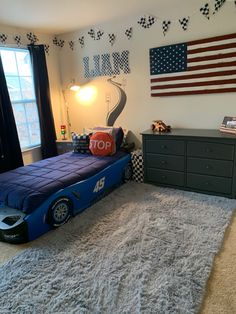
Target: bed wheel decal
{"type": "Point", "coordinates": [59, 211]}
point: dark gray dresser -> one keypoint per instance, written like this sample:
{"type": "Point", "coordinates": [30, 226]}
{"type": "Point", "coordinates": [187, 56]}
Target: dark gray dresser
{"type": "Point", "coordinates": [191, 159]}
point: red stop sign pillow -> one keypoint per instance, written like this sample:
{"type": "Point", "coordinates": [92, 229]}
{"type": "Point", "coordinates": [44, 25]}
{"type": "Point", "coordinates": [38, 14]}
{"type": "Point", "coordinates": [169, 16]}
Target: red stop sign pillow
{"type": "Point", "coordinates": [102, 144]}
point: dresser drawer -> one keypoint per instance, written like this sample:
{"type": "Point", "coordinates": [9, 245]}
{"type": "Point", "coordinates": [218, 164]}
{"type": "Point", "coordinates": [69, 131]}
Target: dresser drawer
{"type": "Point", "coordinates": [165, 162]}
{"type": "Point", "coordinates": [209, 183]}
{"type": "Point", "coordinates": [210, 150]}
{"type": "Point", "coordinates": [222, 168]}
{"type": "Point", "coordinates": [165, 177]}
{"type": "Point", "coordinates": [167, 147]}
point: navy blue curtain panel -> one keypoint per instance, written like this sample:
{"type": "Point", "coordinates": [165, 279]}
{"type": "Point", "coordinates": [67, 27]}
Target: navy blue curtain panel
{"type": "Point", "coordinates": [42, 93]}
{"type": "Point", "coordinates": [10, 151]}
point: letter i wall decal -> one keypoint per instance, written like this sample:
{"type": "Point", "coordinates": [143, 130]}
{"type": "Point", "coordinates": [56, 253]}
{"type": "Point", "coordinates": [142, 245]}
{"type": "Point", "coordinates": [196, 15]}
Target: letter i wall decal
{"type": "Point", "coordinates": [107, 64]}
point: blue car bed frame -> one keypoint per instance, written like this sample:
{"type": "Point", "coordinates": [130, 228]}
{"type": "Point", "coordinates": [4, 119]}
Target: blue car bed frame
{"type": "Point", "coordinates": [19, 227]}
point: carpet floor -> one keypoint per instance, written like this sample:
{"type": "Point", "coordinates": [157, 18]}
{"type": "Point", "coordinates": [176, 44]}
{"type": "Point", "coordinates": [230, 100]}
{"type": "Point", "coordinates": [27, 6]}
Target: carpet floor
{"type": "Point", "coordinates": [142, 249]}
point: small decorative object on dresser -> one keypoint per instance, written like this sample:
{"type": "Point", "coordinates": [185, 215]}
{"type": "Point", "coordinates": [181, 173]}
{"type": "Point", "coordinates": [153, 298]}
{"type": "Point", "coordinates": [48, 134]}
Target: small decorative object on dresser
{"type": "Point", "coordinates": [160, 126]}
{"type": "Point", "coordinates": [191, 159]}
{"type": "Point", "coordinates": [63, 132]}
{"type": "Point", "coordinates": [228, 125]}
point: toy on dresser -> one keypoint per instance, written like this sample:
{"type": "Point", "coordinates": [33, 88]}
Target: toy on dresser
{"type": "Point", "coordinates": [160, 126]}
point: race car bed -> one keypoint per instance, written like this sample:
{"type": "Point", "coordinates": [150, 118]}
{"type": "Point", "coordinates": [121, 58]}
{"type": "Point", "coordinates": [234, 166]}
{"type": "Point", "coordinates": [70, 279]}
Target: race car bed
{"type": "Point", "coordinates": [43, 195]}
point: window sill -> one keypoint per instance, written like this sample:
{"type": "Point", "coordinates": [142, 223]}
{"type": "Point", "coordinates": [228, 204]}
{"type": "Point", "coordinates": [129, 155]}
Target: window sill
{"type": "Point", "coordinates": [30, 149]}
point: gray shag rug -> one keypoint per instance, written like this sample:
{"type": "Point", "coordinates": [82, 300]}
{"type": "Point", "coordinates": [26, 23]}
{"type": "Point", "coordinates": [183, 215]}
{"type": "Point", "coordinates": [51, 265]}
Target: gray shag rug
{"type": "Point", "coordinates": [141, 249]}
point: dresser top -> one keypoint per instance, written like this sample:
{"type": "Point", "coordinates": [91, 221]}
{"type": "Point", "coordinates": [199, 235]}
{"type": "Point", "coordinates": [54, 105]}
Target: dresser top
{"type": "Point", "coordinates": [192, 133]}
{"type": "Point", "coordinates": [68, 140]}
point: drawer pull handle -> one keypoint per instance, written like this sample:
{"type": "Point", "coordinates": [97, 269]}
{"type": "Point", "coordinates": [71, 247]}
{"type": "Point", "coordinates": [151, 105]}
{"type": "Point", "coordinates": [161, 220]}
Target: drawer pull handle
{"type": "Point", "coordinates": [163, 146]}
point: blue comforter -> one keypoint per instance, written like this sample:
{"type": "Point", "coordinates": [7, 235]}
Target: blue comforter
{"type": "Point", "coordinates": [27, 187]}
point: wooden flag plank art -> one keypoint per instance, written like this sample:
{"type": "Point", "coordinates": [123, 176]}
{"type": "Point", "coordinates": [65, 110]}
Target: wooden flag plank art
{"type": "Point", "coordinates": [204, 66]}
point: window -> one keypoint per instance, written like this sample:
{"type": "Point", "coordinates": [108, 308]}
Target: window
{"type": "Point", "coordinates": [18, 73]}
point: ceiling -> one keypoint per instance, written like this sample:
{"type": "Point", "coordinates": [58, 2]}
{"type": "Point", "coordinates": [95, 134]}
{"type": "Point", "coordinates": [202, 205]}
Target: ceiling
{"type": "Point", "coordinates": [60, 16]}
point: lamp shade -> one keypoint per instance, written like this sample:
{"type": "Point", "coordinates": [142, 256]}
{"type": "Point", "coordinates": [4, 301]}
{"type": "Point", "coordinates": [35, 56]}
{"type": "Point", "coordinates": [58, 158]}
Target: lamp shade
{"type": "Point", "coordinates": [74, 87]}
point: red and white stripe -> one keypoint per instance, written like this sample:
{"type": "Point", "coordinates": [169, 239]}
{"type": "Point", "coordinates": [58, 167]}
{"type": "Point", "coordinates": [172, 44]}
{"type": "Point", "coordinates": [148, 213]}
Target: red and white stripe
{"type": "Point", "coordinates": [211, 68]}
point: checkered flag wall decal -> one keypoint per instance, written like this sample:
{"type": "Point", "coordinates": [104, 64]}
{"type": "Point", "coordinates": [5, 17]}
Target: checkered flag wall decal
{"type": "Point", "coordinates": [165, 26]}
{"type": "Point", "coordinates": [61, 43]}
{"type": "Point", "coordinates": [147, 22]}
{"type": "Point", "coordinates": [17, 40]}
{"type": "Point", "coordinates": [112, 38]}
{"type": "Point", "coordinates": [71, 44]}
{"type": "Point", "coordinates": [99, 35]}
{"type": "Point", "coordinates": [3, 38]}
{"type": "Point", "coordinates": [58, 42]}
{"type": "Point", "coordinates": [91, 32]}
{"type": "Point", "coordinates": [81, 41]}
{"type": "Point", "coordinates": [150, 21]}
{"type": "Point", "coordinates": [32, 38]}
{"type": "Point", "coordinates": [184, 23]}
{"type": "Point", "coordinates": [96, 35]}
{"type": "Point", "coordinates": [205, 10]}
{"type": "Point", "coordinates": [46, 49]}
{"type": "Point", "coordinates": [54, 41]}
{"type": "Point", "coordinates": [129, 32]}
{"type": "Point", "coordinates": [142, 22]}
{"type": "Point", "coordinates": [218, 5]}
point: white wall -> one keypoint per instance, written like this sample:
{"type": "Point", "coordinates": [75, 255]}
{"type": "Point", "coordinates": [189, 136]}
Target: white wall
{"type": "Point", "coordinates": [33, 155]}
{"type": "Point", "coordinates": [198, 111]}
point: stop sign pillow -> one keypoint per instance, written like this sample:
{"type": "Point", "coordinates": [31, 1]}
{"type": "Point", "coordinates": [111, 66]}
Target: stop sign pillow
{"type": "Point", "coordinates": [102, 144]}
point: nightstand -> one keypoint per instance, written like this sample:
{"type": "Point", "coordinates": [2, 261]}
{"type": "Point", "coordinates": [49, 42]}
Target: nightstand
{"type": "Point", "coordinates": [64, 146]}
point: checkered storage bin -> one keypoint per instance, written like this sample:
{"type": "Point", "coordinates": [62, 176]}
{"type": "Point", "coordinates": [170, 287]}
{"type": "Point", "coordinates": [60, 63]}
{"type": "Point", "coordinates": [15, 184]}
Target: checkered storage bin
{"type": "Point", "coordinates": [137, 165]}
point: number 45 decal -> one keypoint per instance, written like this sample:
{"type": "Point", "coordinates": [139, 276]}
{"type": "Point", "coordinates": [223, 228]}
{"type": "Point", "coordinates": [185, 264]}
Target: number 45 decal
{"type": "Point", "coordinates": [99, 185]}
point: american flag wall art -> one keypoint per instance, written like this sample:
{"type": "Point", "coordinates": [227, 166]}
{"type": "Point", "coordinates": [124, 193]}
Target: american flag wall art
{"type": "Point", "coordinates": [204, 66]}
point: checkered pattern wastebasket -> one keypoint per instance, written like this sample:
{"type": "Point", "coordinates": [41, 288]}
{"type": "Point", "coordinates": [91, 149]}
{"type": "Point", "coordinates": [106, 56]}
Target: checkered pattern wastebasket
{"type": "Point", "coordinates": [137, 165]}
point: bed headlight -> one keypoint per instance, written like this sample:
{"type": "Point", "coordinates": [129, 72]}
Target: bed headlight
{"type": "Point", "coordinates": [11, 220]}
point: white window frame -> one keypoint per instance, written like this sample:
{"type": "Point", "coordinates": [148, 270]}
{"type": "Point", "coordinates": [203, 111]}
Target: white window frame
{"type": "Point", "coordinates": [23, 101]}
